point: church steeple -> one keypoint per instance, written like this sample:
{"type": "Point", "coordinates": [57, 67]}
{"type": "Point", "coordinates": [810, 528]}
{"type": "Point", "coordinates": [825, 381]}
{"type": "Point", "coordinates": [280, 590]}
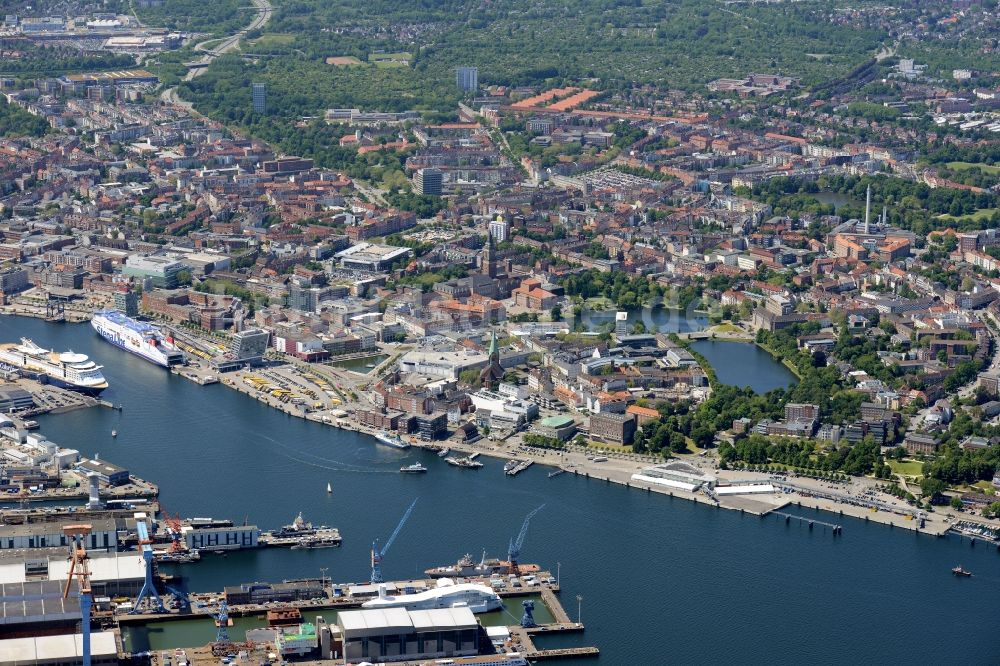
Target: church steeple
{"type": "Point", "coordinates": [488, 261]}
{"type": "Point", "coordinates": [492, 373]}
{"type": "Point", "coordinates": [494, 350]}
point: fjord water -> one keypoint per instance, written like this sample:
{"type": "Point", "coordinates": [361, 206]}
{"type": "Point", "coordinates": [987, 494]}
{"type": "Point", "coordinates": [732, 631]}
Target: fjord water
{"type": "Point", "coordinates": [662, 580]}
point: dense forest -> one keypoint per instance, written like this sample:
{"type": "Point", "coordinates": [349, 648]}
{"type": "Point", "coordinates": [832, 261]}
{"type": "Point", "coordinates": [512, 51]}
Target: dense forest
{"type": "Point", "coordinates": [910, 205]}
{"type": "Point", "coordinates": [218, 17]}
{"type": "Point", "coordinates": [610, 43]}
{"type": "Point", "coordinates": [55, 60]}
{"type": "Point", "coordinates": [15, 121]}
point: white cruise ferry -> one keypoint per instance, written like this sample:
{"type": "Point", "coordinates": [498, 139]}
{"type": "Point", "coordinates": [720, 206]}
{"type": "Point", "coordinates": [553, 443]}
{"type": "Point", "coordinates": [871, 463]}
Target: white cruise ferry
{"type": "Point", "coordinates": [138, 337]}
{"type": "Point", "coordinates": [67, 369]}
{"type": "Point", "coordinates": [477, 598]}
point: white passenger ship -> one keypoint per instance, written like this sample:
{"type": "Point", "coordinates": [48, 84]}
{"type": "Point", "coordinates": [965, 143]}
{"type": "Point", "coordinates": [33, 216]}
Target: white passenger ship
{"type": "Point", "coordinates": [66, 369]}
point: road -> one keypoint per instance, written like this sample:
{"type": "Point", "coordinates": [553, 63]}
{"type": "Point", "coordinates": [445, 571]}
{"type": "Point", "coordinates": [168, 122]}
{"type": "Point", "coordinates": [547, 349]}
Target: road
{"type": "Point", "coordinates": [264, 10]}
{"type": "Point", "coordinates": [373, 194]}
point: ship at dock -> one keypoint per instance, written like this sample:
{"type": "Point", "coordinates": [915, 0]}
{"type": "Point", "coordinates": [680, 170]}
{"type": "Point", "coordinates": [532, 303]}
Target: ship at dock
{"type": "Point", "coordinates": [391, 440]}
{"type": "Point", "coordinates": [137, 337]}
{"type": "Point", "coordinates": [467, 567]}
{"type": "Point", "coordinates": [303, 535]}
{"type": "Point", "coordinates": [467, 463]}
{"type": "Point", "coordinates": [68, 370]}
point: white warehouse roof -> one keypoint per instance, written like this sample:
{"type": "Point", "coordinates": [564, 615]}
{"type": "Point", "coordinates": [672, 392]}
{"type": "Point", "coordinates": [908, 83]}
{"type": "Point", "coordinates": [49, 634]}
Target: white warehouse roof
{"type": "Point", "coordinates": [443, 619]}
{"type": "Point", "coordinates": [748, 489]}
{"type": "Point", "coordinates": [376, 622]}
{"type": "Point", "coordinates": [669, 483]}
{"type": "Point", "coordinates": [12, 572]}
{"type": "Point", "coordinates": [124, 566]}
{"type": "Point", "coordinates": [55, 649]}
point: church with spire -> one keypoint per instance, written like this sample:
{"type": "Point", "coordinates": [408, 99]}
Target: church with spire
{"type": "Point", "coordinates": [492, 374]}
{"type": "Point", "coordinates": [488, 258]}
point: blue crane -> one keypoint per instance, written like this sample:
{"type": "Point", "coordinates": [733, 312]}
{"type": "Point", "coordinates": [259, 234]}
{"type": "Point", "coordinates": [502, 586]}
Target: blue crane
{"type": "Point", "coordinates": [378, 554]}
{"type": "Point", "coordinates": [148, 587]}
{"type": "Point", "coordinates": [514, 550]}
{"type": "Point", "coordinates": [223, 622]}
{"type": "Point", "coordinates": [77, 535]}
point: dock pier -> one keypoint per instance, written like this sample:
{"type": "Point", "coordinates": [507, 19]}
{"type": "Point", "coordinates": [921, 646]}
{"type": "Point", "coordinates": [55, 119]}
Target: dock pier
{"type": "Point", "coordinates": [523, 637]}
{"type": "Point", "coordinates": [520, 467]}
{"type": "Point", "coordinates": [835, 529]}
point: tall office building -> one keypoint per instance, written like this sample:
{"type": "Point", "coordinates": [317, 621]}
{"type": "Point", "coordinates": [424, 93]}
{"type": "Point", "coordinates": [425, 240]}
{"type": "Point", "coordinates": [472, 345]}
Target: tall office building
{"type": "Point", "coordinates": [127, 302]}
{"type": "Point", "coordinates": [259, 91]}
{"type": "Point", "coordinates": [621, 323]}
{"type": "Point", "coordinates": [249, 345]}
{"type": "Point", "coordinates": [428, 181]}
{"type": "Point", "coordinates": [302, 296]}
{"type": "Point", "coordinates": [500, 230]}
{"type": "Point", "coordinates": [467, 78]}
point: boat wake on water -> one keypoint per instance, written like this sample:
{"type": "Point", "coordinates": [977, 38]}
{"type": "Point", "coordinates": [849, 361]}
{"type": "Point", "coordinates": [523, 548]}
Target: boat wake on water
{"type": "Point", "coordinates": [333, 465]}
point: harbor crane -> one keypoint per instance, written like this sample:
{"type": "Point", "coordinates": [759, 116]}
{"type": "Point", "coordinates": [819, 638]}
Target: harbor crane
{"type": "Point", "coordinates": [173, 524]}
{"type": "Point", "coordinates": [148, 587]}
{"type": "Point", "coordinates": [378, 554]}
{"type": "Point", "coordinates": [514, 549]}
{"type": "Point", "coordinates": [223, 622]}
{"type": "Point", "coordinates": [78, 567]}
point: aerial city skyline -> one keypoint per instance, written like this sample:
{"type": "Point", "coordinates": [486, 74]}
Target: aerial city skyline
{"type": "Point", "coordinates": [497, 334]}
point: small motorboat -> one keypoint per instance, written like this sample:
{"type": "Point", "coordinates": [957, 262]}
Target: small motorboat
{"type": "Point", "coordinates": [959, 571]}
{"type": "Point", "coordinates": [329, 489]}
{"type": "Point", "coordinates": [114, 433]}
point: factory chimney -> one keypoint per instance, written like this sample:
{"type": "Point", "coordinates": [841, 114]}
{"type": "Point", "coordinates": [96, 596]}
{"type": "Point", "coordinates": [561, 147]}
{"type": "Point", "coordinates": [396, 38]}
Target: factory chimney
{"type": "Point", "coordinates": [868, 210]}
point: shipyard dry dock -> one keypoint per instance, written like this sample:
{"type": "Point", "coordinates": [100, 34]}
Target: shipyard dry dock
{"type": "Point", "coordinates": [506, 633]}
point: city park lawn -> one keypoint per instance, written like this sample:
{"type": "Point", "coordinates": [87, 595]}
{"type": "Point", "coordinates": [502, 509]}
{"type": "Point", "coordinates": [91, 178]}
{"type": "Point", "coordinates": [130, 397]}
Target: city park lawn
{"type": "Point", "coordinates": [964, 166]}
{"type": "Point", "coordinates": [599, 303]}
{"type": "Point", "coordinates": [601, 446]}
{"type": "Point", "coordinates": [984, 487]}
{"type": "Point", "coordinates": [982, 213]}
{"type": "Point", "coordinates": [907, 467]}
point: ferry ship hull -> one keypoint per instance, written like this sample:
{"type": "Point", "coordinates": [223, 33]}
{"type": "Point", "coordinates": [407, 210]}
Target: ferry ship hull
{"type": "Point", "coordinates": [92, 391]}
{"type": "Point", "coordinates": [122, 346]}
{"type": "Point", "coordinates": [138, 338]}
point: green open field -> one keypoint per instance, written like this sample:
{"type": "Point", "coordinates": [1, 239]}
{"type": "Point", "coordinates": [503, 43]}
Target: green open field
{"type": "Point", "coordinates": [604, 446]}
{"type": "Point", "coordinates": [984, 487]}
{"type": "Point", "coordinates": [982, 213]}
{"type": "Point", "coordinates": [907, 467]}
{"type": "Point", "coordinates": [963, 166]}
{"type": "Point", "coordinates": [390, 59]}
{"type": "Point", "coordinates": [599, 303]}
{"type": "Point", "coordinates": [273, 39]}
{"type": "Point", "coordinates": [343, 61]}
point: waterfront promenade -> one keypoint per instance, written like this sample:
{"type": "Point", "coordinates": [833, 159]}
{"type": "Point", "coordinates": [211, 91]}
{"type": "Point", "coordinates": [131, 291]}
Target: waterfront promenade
{"type": "Point", "coordinates": [619, 468]}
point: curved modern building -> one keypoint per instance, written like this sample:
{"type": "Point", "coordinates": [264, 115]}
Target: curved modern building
{"type": "Point", "coordinates": [477, 598]}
